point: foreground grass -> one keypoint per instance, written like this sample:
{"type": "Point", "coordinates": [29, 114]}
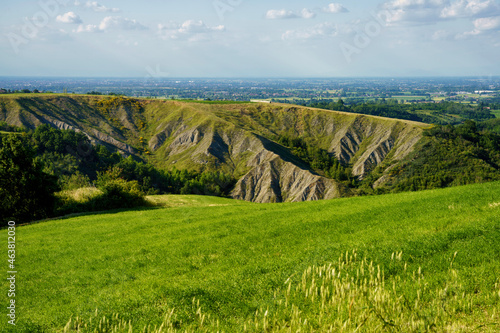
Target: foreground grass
{"type": "Point", "coordinates": [421, 262]}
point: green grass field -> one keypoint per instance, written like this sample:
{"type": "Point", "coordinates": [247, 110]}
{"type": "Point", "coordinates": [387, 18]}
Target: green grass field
{"type": "Point", "coordinates": [496, 113]}
{"type": "Point", "coordinates": [409, 262]}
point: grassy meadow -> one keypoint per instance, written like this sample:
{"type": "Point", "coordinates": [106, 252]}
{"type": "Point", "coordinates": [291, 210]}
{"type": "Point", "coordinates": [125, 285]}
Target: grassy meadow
{"type": "Point", "coordinates": [408, 262]}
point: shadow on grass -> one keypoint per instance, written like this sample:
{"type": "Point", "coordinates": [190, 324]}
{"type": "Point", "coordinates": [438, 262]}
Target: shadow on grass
{"type": "Point", "coordinates": [90, 213]}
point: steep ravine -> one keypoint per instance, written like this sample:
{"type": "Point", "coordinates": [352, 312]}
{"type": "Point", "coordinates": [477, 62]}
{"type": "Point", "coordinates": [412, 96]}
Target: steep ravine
{"type": "Point", "coordinates": [237, 139]}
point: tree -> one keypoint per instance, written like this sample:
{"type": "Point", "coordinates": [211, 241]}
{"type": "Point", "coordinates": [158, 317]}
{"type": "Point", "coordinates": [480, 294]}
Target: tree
{"type": "Point", "coordinates": [26, 192]}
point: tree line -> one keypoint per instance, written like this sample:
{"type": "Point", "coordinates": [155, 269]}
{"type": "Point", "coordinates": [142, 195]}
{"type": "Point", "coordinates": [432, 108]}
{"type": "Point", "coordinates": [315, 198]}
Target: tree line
{"type": "Point", "coordinates": [36, 164]}
{"type": "Point", "coordinates": [451, 156]}
{"type": "Point", "coordinates": [421, 112]}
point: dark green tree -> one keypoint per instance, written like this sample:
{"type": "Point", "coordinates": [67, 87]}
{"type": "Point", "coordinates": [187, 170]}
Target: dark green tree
{"type": "Point", "coordinates": [26, 192]}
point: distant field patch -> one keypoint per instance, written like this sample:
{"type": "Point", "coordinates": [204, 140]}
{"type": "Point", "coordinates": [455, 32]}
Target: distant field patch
{"type": "Point", "coordinates": [210, 102]}
{"type": "Point", "coordinates": [496, 113]}
{"type": "Point", "coordinates": [408, 97]}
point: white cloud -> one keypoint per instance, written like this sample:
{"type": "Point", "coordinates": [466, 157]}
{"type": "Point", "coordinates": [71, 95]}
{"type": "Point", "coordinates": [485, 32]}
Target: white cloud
{"type": "Point", "coordinates": [470, 8]}
{"type": "Point", "coordinates": [318, 31]}
{"type": "Point", "coordinates": [198, 27]}
{"type": "Point", "coordinates": [414, 11]}
{"type": "Point", "coordinates": [111, 23]}
{"type": "Point", "coordinates": [307, 14]}
{"type": "Point", "coordinates": [482, 26]}
{"type": "Point", "coordinates": [278, 14]}
{"type": "Point", "coordinates": [487, 23]}
{"type": "Point", "coordinates": [190, 30]}
{"type": "Point", "coordinates": [90, 28]}
{"type": "Point", "coordinates": [96, 7]}
{"type": "Point", "coordinates": [335, 8]}
{"type": "Point", "coordinates": [69, 17]}
{"type": "Point", "coordinates": [432, 11]}
{"type": "Point", "coordinates": [121, 23]}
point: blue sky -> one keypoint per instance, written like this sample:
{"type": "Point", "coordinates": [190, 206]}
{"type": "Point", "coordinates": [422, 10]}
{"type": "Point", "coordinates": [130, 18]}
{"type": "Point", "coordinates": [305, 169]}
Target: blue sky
{"type": "Point", "coordinates": [244, 38]}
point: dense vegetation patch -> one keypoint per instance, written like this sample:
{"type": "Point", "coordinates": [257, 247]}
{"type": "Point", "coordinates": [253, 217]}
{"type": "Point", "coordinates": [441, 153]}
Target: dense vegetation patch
{"type": "Point", "coordinates": [318, 159]}
{"type": "Point", "coordinates": [492, 125]}
{"type": "Point", "coordinates": [442, 113]}
{"type": "Point", "coordinates": [450, 156]}
{"type": "Point", "coordinates": [9, 128]}
{"type": "Point", "coordinates": [66, 160]}
{"type": "Point", "coordinates": [26, 192]}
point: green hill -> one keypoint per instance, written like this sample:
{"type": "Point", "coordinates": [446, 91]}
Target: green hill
{"type": "Point", "coordinates": [239, 139]}
{"type": "Point", "coordinates": [408, 262]}
{"type": "Point", "coordinates": [274, 152]}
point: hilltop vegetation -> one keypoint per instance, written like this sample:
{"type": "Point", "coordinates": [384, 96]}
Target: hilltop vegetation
{"type": "Point", "coordinates": [403, 262]}
{"type": "Point", "coordinates": [442, 113]}
{"type": "Point", "coordinates": [448, 156]}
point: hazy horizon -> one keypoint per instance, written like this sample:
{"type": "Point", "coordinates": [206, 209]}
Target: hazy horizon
{"type": "Point", "coordinates": [253, 77]}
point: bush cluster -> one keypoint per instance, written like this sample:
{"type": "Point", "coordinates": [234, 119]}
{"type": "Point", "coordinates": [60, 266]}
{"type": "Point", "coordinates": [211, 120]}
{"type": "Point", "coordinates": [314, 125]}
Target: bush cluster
{"type": "Point", "coordinates": [451, 156]}
{"type": "Point", "coordinates": [318, 159]}
{"type": "Point", "coordinates": [35, 165]}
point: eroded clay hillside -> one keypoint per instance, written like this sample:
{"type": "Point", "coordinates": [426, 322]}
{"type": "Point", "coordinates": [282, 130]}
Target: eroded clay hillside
{"type": "Point", "coordinates": [239, 139]}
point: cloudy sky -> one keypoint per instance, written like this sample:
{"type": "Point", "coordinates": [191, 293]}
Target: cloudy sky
{"type": "Point", "coordinates": [249, 38]}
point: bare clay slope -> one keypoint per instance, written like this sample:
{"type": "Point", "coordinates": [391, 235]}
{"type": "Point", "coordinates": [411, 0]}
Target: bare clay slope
{"type": "Point", "coordinates": [194, 135]}
{"type": "Point", "coordinates": [362, 141]}
{"type": "Point", "coordinates": [234, 138]}
{"type": "Point", "coordinates": [239, 139]}
{"type": "Point", "coordinates": [108, 121]}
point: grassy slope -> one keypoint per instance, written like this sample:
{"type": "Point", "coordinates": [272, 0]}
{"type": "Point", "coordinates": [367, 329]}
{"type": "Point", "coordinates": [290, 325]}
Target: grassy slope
{"type": "Point", "coordinates": [232, 255]}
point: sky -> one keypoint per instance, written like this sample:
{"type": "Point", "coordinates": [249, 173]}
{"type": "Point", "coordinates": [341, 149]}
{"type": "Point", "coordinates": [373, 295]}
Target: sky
{"type": "Point", "coordinates": [249, 38]}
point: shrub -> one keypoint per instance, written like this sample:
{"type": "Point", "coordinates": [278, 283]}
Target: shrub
{"type": "Point", "coordinates": [112, 192]}
{"type": "Point", "coordinates": [119, 193]}
{"type": "Point", "coordinates": [73, 182]}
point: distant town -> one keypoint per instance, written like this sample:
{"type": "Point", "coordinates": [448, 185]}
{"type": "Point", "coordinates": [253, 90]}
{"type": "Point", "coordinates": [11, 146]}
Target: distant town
{"type": "Point", "coordinates": [351, 90]}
